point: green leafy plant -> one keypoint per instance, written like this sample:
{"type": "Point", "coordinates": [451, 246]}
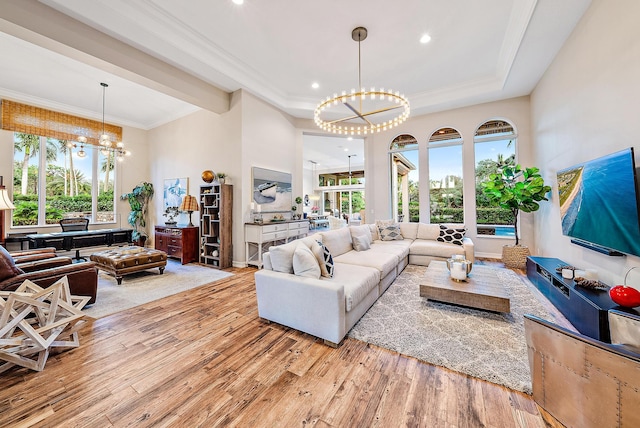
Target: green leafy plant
{"type": "Point", "coordinates": [516, 189]}
{"type": "Point", "coordinates": [139, 199]}
{"type": "Point", "coordinates": [298, 200]}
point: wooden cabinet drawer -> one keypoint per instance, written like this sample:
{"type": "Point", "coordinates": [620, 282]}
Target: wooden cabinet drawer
{"type": "Point", "coordinates": [300, 225]}
{"type": "Point", "coordinates": [274, 228]}
{"type": "Point", "coordinates": [273, 236]}
{"type": "Point", "coordinates": [175, 240]}
{"type": "Point", "coordinates": [174, 251]}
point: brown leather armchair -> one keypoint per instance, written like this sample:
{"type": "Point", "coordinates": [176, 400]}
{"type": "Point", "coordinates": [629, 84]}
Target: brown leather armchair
{"type": "Point", "coordinates": [83, 277]}
{"type": "Point", "coordinates": [583, 382]}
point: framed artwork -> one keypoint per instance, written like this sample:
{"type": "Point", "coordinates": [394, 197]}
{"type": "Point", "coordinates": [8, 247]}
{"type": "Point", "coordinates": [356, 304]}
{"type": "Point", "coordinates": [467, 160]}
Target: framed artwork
{"type": "Point", "coordinates": [272, 190]}
{"type": "Point", "coordinates": [174, 190]}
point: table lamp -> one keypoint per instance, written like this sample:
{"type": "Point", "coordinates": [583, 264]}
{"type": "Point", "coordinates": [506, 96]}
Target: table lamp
{"type": "Point", "coordinates": [189, 204]}
{"type": "Point", "coordinates": [5, 204]}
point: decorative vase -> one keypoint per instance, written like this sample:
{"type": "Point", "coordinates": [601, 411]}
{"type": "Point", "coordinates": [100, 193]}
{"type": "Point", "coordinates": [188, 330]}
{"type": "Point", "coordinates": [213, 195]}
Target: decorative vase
{"type": "Point", "coordinates": [515, 256]}
{"type": "Point", "coordinates": [208, 176]}
{"type": "Point", "coordinates": [624, 295]}
{"type": "Point", "coordinates": [627, 297]}
{"type": "Point", "coordinates": [459, 268]}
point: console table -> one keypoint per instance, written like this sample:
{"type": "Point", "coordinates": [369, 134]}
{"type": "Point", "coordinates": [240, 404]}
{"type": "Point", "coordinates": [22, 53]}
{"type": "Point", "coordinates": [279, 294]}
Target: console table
{"type": "Point", "coordinates": [81, 239]}
{"type": "Point", "coordinates": [586, 309]}
{"type": "Point", "coordinates": [259, 237]}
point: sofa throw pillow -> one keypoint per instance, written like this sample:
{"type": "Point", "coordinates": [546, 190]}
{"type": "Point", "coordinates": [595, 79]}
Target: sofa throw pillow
{"type": "Point", "coordinates": [428, 231]}
{"type": "Point", "coordinates": [357, 231]}
{"type": "Point", "coordinates": [391, 233]}
{"type": "Point", "coordinates": [362, 242]}
{"type": "Point", "coordinates": [8, 268]}
{"type": "Point", "coordinates": [325, 260]}
{"type": "Point", "coordinates": [451, 235]}
{"type": "Point", "coordinates": [305, 263]}
{"type": "Point", "coordinates": [384, 223]}
{"type": "Point", "coordinates": [374, 232]}
{"type": "Point", "coordinates": [282, 257]}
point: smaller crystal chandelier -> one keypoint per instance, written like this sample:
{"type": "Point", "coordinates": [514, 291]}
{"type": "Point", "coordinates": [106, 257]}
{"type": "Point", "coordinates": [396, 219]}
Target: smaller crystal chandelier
{"type": "Point", "coordinates": [372, 111]}
{"type": "Point", "coordinates": [108, 146]}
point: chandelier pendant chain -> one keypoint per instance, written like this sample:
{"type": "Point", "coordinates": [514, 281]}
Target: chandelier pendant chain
{"type": "Point", "coordinates": [360, 69]}
{"type": "Point", "coordinates": [104, 86]}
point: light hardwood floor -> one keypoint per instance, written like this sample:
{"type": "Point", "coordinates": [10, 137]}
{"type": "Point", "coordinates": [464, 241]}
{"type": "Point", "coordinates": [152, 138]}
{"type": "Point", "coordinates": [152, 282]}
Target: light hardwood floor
{"type": "Point", "coordinates": [204, 358]}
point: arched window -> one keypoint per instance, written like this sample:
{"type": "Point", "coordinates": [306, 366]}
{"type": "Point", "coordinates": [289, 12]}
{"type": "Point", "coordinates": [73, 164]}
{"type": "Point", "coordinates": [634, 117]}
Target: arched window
{"type": "Point", "coordinates": [404, 178]}
{"type": "Point", "coordinates": [495, 147]}
{"type": "Point", "coordinates": [445, 176]}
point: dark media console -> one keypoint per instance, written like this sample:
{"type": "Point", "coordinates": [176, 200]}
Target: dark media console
{"type": "Point", "coordinates": [584, 308]}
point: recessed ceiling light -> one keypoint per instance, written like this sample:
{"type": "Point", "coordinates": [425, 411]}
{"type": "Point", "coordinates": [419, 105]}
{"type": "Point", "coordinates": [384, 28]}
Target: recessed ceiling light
{"type": "Point", "coordinates": [238, 1]}
{"type": "Point", "coordinates": [346, 150]}
{"type": "Point", "coordinates": [425, 39]}
{"type": "Point", "coordinates": [315, 85]}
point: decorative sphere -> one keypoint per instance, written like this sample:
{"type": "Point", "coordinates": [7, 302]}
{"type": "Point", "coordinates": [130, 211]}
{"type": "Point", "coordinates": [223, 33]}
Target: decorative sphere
{"type": "Point", "coordinates": [208, 176]}
{"type": "Point", "coordinates": [628, 297]}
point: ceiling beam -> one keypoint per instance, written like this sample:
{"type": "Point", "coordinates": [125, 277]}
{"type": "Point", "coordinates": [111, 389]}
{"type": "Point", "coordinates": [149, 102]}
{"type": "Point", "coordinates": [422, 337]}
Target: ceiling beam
{"type": "Point", "coordinates": [44, 26]}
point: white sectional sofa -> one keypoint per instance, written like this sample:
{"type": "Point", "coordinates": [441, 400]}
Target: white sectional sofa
{"type": "Point", "coordinates": [327, 307]}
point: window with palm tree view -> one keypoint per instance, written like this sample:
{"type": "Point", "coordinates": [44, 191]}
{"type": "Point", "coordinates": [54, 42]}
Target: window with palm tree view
{"type": "Point", "coordinates": [495, 147]}
{"type": "Point", "coordinates": [55, 179]}
{"type": "Point", "coordinates": [445, 176]}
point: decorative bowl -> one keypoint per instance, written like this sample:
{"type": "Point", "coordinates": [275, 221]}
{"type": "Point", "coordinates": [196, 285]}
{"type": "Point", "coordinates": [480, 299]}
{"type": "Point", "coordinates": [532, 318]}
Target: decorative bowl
{"type": "Point", "coordinates": [208, 176]}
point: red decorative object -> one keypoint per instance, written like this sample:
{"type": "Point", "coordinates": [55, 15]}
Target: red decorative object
{"type": "Point", "coordinates": [625, 296]}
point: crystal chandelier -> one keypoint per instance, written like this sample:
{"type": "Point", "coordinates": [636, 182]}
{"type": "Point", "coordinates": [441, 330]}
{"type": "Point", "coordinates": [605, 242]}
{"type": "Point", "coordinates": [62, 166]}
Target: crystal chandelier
{"type": "Point", "coordinates": [372, 111]}
{"type": "Point", "coordinates": [108, 146]}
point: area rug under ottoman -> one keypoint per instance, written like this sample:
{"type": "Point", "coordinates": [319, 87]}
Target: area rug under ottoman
{"type": "Point", "coordinates": [486, 345]}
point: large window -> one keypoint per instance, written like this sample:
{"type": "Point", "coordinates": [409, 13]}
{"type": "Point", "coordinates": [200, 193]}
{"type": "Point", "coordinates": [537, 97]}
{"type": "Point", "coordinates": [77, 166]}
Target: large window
{"type": "Point", "coordinates": [54, 179]}
{"type": "Point", "coordinates": [445, 177]}
{"type": "Point", "coordinates": [495, 147]}
{"type": "Point", "coordinates": [405, 178]}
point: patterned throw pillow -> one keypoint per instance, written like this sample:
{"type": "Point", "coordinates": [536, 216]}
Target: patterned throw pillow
{"type": "Point", "coordinates": [391, 233]}
{"type": "Point", "coordinates": [451, 235]}
{"type": "Point", "coordinates": [325, 260]}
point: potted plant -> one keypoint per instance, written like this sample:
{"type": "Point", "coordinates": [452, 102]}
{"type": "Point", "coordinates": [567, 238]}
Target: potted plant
{"type": "Point", "coordinates": [295, 208]}
{"type": "Point", "coordinates": [170, 213]}
{"type": "Point", "coordinates": [139, 199]}
{"type": "Point", "coordinates": [516, 189]}
{"type": "Point", "coordinates": [221, 176]}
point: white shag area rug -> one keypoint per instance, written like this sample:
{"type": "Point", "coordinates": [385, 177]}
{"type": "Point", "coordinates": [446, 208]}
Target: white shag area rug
{"type": "Point", "coordinates": [149, 285]}
{"type": "Point", "coordinates": [482, 344]}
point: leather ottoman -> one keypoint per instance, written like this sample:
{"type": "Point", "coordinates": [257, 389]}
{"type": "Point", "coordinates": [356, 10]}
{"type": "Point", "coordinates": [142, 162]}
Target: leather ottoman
{"type": "Point", "coordinates": [125, 260]}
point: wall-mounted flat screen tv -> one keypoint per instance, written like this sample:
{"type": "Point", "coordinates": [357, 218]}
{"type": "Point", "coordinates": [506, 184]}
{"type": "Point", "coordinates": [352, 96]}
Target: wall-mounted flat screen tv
{"type": "Point", "coordinates": [599, 203]}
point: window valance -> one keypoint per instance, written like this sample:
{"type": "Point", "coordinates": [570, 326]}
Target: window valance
{"type": "Point", "coordinates": [28, 119]}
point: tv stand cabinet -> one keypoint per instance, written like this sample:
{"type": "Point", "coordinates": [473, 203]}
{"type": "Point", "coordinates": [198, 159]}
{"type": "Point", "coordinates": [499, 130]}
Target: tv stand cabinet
{"type": "Point", "coordinates": [585, 309]}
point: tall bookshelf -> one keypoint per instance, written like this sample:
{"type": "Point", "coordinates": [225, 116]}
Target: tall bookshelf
{"type": "Point", "coordinates": [216, 202]}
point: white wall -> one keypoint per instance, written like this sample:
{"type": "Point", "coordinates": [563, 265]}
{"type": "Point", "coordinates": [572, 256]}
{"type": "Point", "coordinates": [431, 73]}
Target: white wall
{"type": "Point", "coordinates": [466, 121]}
{"type": "Point", "coordinates": [268, 141]}
{"type": "Point", "coordinates": [586, 106]}
{"type": "Point", "coordinates": [252, 133]}
{"type": "Point", "coordinates": [188, 146]}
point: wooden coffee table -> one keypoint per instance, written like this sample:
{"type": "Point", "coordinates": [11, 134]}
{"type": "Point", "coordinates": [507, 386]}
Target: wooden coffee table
{"type": "Point", "coordinates": [482, 290]}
